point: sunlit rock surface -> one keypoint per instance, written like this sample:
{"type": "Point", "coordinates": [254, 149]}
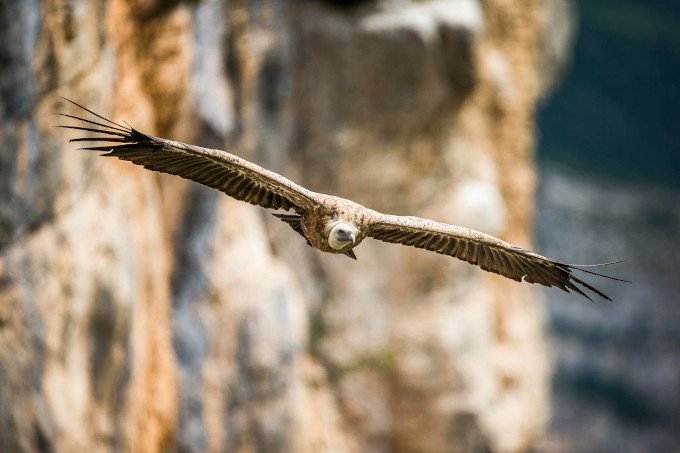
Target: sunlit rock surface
{"type": "Point", "coordinates": [141, 312]}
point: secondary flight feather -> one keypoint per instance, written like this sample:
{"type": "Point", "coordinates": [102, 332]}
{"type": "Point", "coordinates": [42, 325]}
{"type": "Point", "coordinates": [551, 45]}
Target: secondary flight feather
{"type": "Point", "coordinates": [328, 223]}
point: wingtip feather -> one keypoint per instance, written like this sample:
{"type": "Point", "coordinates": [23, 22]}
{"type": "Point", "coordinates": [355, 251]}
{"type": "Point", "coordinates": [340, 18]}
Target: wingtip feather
{"type": "Point", "coordinates": [93, 113]}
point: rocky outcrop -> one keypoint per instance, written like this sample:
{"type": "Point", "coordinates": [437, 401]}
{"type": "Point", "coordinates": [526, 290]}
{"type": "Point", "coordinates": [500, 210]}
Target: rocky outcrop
{"type": "Point", "coordinates": [142, 312]}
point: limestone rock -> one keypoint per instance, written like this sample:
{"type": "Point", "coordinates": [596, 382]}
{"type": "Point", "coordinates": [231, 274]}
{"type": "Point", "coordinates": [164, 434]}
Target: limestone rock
{"type": "Point", "coordinates": [141, 312]}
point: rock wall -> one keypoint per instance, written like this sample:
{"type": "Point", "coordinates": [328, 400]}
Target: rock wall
{"type": "Point", "coordinates": [141, 312]}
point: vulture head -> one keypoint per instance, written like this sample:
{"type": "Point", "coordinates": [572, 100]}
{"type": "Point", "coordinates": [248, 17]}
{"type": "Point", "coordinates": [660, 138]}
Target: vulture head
{"type": "Point", "coordinates": [341, 235]}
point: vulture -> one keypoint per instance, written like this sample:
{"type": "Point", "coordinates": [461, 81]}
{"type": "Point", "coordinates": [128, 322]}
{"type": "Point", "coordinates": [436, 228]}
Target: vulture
{"type": "Point", "coordinates": [328, 223]}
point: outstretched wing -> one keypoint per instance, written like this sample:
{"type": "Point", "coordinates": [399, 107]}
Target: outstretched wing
{"type": "Point", "coordinates": [220, 170]}
{"type": "Point", "coordinates": [481, 249]}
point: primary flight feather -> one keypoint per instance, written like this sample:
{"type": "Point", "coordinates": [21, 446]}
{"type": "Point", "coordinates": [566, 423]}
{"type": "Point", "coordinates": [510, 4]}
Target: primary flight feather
{"type": "Point", "coordinates": [328, 223]}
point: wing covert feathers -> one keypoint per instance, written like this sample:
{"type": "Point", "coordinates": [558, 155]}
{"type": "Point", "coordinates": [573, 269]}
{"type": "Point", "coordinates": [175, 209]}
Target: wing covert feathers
{"type": "Point", "coordinates": [485, 251]}
{"type": "Point", "coordinates": [220, 170]}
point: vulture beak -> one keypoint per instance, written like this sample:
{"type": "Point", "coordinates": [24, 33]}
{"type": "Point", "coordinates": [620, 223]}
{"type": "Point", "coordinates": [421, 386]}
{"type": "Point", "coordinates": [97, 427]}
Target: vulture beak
{"type": "Point", "coordinates": [347, 236]}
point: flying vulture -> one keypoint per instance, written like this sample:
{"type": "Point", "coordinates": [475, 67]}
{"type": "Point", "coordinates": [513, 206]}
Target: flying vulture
{"type": "Point", "coordinates": [328, 223]}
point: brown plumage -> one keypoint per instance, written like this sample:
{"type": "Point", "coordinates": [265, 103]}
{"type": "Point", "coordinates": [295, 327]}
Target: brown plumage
{"type": "Point", "coordinates": [328, 223]}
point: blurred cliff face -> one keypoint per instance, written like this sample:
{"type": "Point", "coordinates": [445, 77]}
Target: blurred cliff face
{"type": "Point", "coordinates": [141, 312]}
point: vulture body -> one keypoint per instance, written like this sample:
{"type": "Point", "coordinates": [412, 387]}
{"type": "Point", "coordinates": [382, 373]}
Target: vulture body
{"type": "Point", "coordinates": [328, 223]}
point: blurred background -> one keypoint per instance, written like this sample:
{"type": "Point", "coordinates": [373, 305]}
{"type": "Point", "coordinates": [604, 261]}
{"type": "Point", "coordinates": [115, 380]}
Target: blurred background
{"type": "Point", "coordinates": [609, 168]}
{"type": "Point", "coordinates": [142, 312]}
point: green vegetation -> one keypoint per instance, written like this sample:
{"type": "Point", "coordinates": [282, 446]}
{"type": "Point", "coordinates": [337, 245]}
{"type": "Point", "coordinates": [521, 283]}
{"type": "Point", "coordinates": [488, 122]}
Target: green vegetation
{"type": "Point", "coordinates": [382, 362]}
